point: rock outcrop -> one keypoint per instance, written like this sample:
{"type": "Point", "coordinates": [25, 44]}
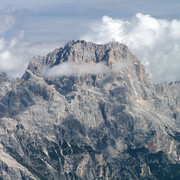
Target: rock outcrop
{"type": "Point", "coordinates": [113, 124]}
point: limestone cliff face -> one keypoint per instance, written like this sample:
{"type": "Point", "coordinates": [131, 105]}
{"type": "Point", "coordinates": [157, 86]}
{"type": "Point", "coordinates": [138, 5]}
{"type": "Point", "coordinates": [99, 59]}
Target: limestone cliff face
{"type": "Point", "coordinates": [114, 124]}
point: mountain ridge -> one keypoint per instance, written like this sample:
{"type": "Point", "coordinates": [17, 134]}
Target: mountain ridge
{"type": "Point", "coordinates": [115, 125]}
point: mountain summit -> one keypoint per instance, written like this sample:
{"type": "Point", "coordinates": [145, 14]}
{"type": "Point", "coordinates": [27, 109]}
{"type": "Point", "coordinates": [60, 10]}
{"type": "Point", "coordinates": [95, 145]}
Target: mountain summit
{"type": "Point", "coordinates": [88, 111]}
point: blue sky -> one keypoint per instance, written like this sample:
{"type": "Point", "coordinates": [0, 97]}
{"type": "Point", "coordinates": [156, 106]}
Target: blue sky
{"type": "Point", "coordinates": [45, 20]}
{"type": "Point", "coordinates": [30, 27]}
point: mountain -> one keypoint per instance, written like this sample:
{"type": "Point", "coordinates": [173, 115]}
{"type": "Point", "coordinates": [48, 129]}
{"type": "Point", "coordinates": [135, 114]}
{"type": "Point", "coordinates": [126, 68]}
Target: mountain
{"type": "Point", "coordinates": [88, 111]}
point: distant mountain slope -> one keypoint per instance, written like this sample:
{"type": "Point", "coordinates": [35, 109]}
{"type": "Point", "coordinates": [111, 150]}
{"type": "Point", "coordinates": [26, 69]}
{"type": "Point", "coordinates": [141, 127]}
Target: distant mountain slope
{"type": "Point", "coordinates": [88, 111]}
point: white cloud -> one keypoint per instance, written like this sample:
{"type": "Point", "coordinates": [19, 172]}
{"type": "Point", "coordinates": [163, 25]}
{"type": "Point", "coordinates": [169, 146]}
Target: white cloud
{"type": "Point", "coordinates": [6, 22]}
{"type": "Point", "coordinates": [70, 68]}
{"type": "Point", "coordinates": [15, 54]}
{"type": "Point", "coordinates": [156, 42]}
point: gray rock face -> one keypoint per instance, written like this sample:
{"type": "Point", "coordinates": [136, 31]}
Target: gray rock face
{"type": "Point", "coordinates": [112, 125]}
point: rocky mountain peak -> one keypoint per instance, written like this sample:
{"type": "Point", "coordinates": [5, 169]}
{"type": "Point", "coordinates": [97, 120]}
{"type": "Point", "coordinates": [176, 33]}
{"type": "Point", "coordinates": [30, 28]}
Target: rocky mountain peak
{"type": "Point", "coordinates": [87, 63]}
{"type": "Point", "coordinates": [66, 119]}
{"type": "Point", "coordinates": [80, 52]}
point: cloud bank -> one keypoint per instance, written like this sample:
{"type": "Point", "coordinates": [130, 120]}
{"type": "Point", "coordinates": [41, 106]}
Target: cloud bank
{"type": "Point", "coordinates": [70, 68]}
{"type": "Point", "coordinates": [156, 42]}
